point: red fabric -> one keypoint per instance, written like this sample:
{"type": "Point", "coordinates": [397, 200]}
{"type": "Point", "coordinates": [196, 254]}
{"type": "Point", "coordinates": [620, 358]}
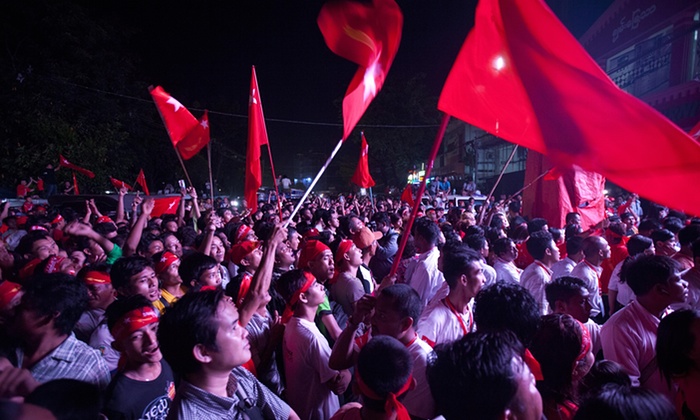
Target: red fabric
{"type": "Point", "coordinates": [547, 94]}
{"type": "Point", "coordinates": [368, 34]}
{"type": "Point", "coordinates": [119, 184]}
{"type": "Point", "coordinates": [22, 190]}
{"type": "Point", "coordinates": [64, 162]}
{"type": "Point", "coordinates": [141, 180]}
{"type": "Point", "coordinates": [166, 260]}
{"type": "Point", "coordinates": [574, 190]}
{"type": "Point", "coordinates": [134, 320]}
{"type": "Point", "coordinates": [407, 195]}
{"type": "Point", "coordinates": [257, 136]}
{"type": "Point", "coordinates": [177, 119]}
{"type": "Point", "coordinates": [76, 191]}
{"type": "Point", "coordinates": [695, 132]}
{"type": "Point", "coordinates": [362, 178]}
{"type": "Point", "coordinates": [168, 205]}
{"type": "Point", "coordinates": [196, 139]}
{"type": "Point", "coordinates": [618, 253]}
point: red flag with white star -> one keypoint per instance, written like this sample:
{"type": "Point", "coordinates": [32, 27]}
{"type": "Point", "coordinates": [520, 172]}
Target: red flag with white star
{"type": "Point", "coordinates": [177, 119]}
{"type": "Point", "coordinates": [196, 139]}
{"type": "Point", "coordinates": [362, 177]}
{"type": "Point", "coordinates": [64, 162]}
{"type": "Point", "coordinates": [257, 136]}
{"type": "Point", "coordinates": [368, 34]}
{"type": "Point", "coordinates": [167, 205]}
{"type": "Point", "coordinates": [522, 76]}
{"type": "Point", "coordinates": [407, 195]}
{"type": "Point", "coordinates": [119, 184]}
{"type": "Point", "coordinates": [141, 180]}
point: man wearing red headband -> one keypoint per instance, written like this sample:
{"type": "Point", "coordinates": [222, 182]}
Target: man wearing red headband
{"type": "Point", "coordinates": [312, 386]}
{"type": "Point", "coordinates": [346, 288]}
{"type": "Point", "coordinates": [145, 386]}
{"type": "Point", "coordinates": [167, 265]}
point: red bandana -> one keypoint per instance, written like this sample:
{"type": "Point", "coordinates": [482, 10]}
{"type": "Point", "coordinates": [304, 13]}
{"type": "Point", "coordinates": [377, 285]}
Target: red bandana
{"type": "Point", "coordinates": [133, 321]}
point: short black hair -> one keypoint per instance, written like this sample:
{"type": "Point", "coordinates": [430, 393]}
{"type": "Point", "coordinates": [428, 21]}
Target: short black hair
{"type": "Point", "coordinates": [643, 272]}
{"type": "Point", "coordinates": [68, 399]}
{"type": "Point", "coordinates": [190, 321]}
{"type": "Point", "coordinates": [506, 306]}
{"type": "Point", "coordinates": [457, 263]}
{"type": "Point", "coordinates": [381, 217]}
{"type": "Point", "coordinates": [193, 265]}
{"type": "Point", "coordinates": [27, 242]}
{"type": "Point", "coordinates": [474, 375]}
{"type": "Point", "coordinates": [563, 288]}
{"type": "Point", "coordinates": [637, 244]}
{"type": "Point", "coordinates": [384, 364]}
{"type": "Point", "coordinates": [405, 301]}
{"type": "Point", "coordinates": [121, 306]}
{"type": "Point", "coordinates": [623, 402]}
{"type": "Point", "coordinates": [649, 224]}
{"type": "Point", "coordinates": [689, 234]}
{"type": "Point", "coordinates": [574, 245]}
{"type": "Point", "coordinates": [57, 293]}
{"type": "Point", "coordinates": [674, 343]}
{"type": "Point", "coordinates": [662, 235]}
{"type": "Point", "coordinates": [538, 243]}
{"type": "Point", "coordinates": [502, 245]}
{"type": "Point", "coordinates": [673, 224]}
{"type": "Point", "coordinates": [426, 229]}
{"type": "Point", "coordinates": [126, 267]}
{"type": "Point", "coordinates": [290, 282]}
{"type": "Point", "coordinates": [475, 242]}
{"type": "Point", "coordinates": [535, 225]}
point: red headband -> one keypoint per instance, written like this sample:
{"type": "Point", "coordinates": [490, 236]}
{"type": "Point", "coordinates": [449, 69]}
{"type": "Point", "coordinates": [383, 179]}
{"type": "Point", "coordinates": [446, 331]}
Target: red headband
{"type": "Point", "coordinates": [244, 288]}
{"type": "Point", "coordinates": [343, 248]}
{"type": "Point", "coordinates": [585, 342]}
{"type": "Point", "coordinates": [165, 261]}
{"type": "Point", "coordinates": [104, 219]}
{"type": "Point", "coordinates": [289, 310]}
{"type": "Point", "coordinates": [392, 403]}
{"type": "Point", "coordinates": [242, 232]}
{"type": "Point", "coordinates": [97, 277]}
{"type": "Point", "coordinates": [310, 251]}
{"type": "Point", "coordinates": [133, 321]}
{"type": "Point", "coordinates": [38, 227]}
{"type": "Point", "coordinates": [54, 265]}
{"type": "Point", "coordinates": [8, 290]}
{"type": "Point", "coordinates": [57, 220]}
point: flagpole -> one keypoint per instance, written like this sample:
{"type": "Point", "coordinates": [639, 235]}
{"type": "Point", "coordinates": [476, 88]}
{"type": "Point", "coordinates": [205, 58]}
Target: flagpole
{"type": "Point", "coordinates": [371, 199]}
{"type": "Point", "coordinates": [211, 181]}
{"type": "Point", "coordinates": [313, 183]}
{"type": "Point", "coordinates": [482, 211]}
{"type": "Point", "coordinates": [187, 175]}
{"type": "Point", "coordinates": [421, 190]}
{"type": "Point", "coordinates": [274, 181]}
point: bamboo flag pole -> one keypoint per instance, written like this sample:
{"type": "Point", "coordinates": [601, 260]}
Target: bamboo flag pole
{"type": "Point", "coordinates": [421, 190]}
{"type": "Point", "coordinates": [482, 211]}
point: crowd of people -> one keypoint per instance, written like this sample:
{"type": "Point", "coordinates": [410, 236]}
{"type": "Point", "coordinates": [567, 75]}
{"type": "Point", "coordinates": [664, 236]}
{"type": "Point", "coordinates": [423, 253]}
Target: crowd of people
{"type": "Point", "coordinates": [220, 312]}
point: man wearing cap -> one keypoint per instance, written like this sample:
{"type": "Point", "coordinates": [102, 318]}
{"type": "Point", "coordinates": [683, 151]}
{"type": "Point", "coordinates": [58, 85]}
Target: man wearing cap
{"type": "Point", "coordinates": [346, 288]}
{"type": "Point", "coordinates": [246, 256]}
{"type": "Point", "coordinates": [167, 267]}
{"type": "Point", "coordinates": [422, 273]}
{"type": "Point", "coordinates": [366, 241]}
{"type": "Point", "coordinates": [145, 386]}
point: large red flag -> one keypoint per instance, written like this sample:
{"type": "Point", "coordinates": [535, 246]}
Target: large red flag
{"type": "Point", "coordinates": [64, 162]}
{"type": "Point", "coordinates": [178, 120]}
{"type": "Point", "coordinates": [257, 136]}
{"type": "Point", "coordinates": [141, 180]}
{"type": "Point", "coordinates": [196, 139]}
{"type": "Point", "coordinates": [695, 132]}
{"type": "Point", "coordinates": [166, 205]}
{"type": "Point", "coordinates": [368, 34]}
{"type": "Point", "coordinates": [522, 76]}
{"type": "Point", "coordinates": [362, 178]}
{"type": "Point", "coordinates": [119, 184]}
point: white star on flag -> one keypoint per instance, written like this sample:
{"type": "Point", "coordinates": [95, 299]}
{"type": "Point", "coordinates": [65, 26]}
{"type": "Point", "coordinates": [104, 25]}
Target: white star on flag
{"type": "Point", "coordinates": [171, 205]}
{"type": "Point", "coordinates": [172, 101]}
{"type": "Point", "coordinates": [204, 124]}
{"type": "Point", "coordinates": [253, 98]}
{"type": "Point", "coordinates": [369, 80]}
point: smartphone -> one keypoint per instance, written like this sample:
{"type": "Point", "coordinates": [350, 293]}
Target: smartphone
{"type": "Point", "coordinates": [181, 183]}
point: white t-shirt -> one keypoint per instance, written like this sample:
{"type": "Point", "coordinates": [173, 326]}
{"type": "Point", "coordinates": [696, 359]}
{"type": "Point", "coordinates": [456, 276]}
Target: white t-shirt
{"type": "Point", "coordinates": [306, 354]}
{"type": "Point", "coordinates": [439, 324]}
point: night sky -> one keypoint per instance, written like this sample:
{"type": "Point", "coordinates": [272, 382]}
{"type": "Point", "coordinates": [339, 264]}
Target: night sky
{"type": "Point", "coordinates": [202, 52]}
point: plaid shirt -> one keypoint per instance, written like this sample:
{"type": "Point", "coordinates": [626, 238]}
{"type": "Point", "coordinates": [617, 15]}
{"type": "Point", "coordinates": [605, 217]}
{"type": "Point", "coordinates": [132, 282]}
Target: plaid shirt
{"type": "Point", "coordinates": [72, 359]}
{"type": "Point", "coordinates": [193, 403]}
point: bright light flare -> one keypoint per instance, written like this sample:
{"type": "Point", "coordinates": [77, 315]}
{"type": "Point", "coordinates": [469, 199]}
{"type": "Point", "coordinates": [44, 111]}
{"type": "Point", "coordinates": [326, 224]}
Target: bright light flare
{"type": "Point", "coordinates": [499, 62]}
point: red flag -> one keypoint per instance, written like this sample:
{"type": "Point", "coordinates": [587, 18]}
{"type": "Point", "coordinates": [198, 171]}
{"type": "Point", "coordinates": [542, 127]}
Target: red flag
{"type": "Point", "coordinates": [196, 139]}
{"type": "Point", "coordinates": [521, 76]}
{"type": "Point", "coordinates": [76, 191]}
{"type": "Point", "coordinates": [141, 180]}
{"type": "Point", "coordinates": [119, 184]}
{"type": "Point", "coordinates": [167, 205]}
{"type": "Point", "coordinates": [362, 178]}
{"type": "Point", "coordinates": [64, 162]}
{"type": "Point", "coordinates": [257, 136]}
{"type": "Point", "coordinates": [695, 132]}
{"type": "Point", "coordinates": [367, 34]}
{"type": "Point", "coordinates": [407, 195]}
{"type": "Point", "coordinates": [177, 119]}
